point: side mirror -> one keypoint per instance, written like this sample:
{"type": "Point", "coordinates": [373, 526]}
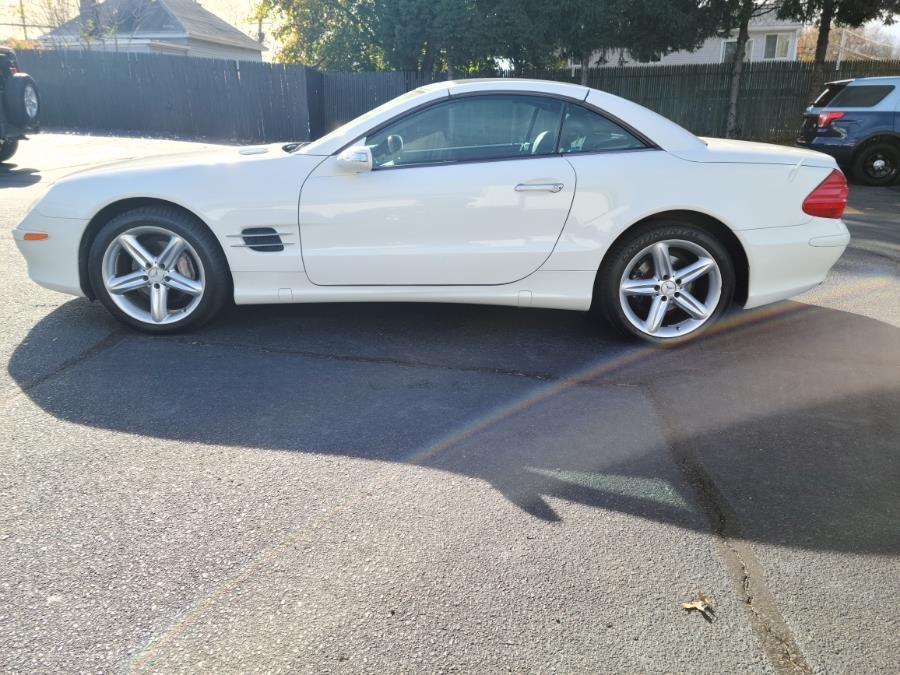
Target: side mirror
{"type": "Point", "coordinates": [355, 159]}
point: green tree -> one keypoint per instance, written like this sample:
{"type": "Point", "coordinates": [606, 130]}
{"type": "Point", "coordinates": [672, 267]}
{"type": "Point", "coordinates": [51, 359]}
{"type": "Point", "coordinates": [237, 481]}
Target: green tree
{"type": "Point", "coordinates": [522, 33]}
{"type": "Point", "coordinates": [327, 34]}
{"type": "Point", "coordinates": [645, 29]}
{"type": "Point", "coordinates": [728, 16]}
{"type": "Point", "coordinates": [416, 35]}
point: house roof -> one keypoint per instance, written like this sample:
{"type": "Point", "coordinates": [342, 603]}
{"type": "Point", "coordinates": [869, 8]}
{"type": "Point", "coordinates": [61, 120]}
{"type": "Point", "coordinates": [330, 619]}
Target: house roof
{"type": "Point", "coordinates": [160, 18]}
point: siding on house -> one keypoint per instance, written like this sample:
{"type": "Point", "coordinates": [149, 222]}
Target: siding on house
{"type": "Point", "coordinates": [164, 45]}
{"type": "Point", "coordinates": [712, 50]}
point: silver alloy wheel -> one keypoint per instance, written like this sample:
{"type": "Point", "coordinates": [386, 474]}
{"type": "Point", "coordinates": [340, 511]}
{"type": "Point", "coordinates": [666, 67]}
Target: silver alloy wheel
{"type": "Point", "coordinates": [31, 102]}
{"type": "Point", "coordinates": [670, 288]}
{"type": "Point", "coordinates": [153, 275]}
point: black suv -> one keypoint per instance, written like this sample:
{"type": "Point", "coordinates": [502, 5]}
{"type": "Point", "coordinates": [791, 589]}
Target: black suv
{"type": "Point", "coordinates": [20, 104]}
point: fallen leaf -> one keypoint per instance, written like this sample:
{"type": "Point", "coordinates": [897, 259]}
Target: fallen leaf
{"type": "Point", "coordinates": [701, 604]}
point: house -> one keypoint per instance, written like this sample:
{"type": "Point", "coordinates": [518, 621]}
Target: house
{"type": "Point", "coordinates": [180, 27]}
{"type": "Point", "coordinates": [771, 39]}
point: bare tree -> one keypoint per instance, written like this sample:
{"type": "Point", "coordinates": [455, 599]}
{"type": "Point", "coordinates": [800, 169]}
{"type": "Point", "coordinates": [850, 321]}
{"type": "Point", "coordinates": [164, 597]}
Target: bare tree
{"type": "Point", "coordinates": [739, 14]}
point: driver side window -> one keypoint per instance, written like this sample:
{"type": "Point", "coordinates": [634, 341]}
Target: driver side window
{"type": "Point", "coordinates": [470, 128]}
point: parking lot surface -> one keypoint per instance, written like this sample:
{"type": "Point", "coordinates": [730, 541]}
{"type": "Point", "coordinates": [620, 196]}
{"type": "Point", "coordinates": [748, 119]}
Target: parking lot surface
{"type": "Point", "coordinates": [440, 487]}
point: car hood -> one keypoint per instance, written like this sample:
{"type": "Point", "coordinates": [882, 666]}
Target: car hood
{"type": "Point", "coordinates": [205, 181]}
{"type": "Point", "coordinates": [721, 150]}
{"type": "Point", "coordinates": [203, 157]}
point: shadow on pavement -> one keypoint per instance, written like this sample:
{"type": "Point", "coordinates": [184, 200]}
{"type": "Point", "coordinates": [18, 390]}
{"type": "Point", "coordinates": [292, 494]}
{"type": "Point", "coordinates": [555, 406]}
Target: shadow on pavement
{"type": "Point", "coordinates": [18, 176]}
{"type": "Point", "coordinates": [791, 409]}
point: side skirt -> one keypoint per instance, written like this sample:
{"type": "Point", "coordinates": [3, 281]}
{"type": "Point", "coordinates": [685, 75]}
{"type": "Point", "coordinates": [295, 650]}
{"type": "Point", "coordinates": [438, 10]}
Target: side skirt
{"type": "Point", "coordinates": [549, 290]}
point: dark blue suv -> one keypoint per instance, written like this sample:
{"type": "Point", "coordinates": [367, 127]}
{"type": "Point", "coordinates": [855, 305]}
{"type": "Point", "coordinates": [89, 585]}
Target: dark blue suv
{"type": "Point", "coordinates": [858, 123]}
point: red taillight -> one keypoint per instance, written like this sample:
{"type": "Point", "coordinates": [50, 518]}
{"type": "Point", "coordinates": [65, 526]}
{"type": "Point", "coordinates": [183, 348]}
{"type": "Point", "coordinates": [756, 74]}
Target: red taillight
{"type": "Point", "coordinates": [829, 199]}
{"type": "Point", "coordinates": [827, 118]}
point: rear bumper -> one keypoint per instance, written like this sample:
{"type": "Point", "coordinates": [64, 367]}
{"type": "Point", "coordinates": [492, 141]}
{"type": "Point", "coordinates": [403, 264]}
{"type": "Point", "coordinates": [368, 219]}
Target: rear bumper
{"type": "Point", "coordinates": [11, 131]}
{"type": "Point", "coordinates": [52, 262]}
{"type": "Point", "coordinates": [836, 147]}
{"type": "Point", "coordinates": [786, 261]}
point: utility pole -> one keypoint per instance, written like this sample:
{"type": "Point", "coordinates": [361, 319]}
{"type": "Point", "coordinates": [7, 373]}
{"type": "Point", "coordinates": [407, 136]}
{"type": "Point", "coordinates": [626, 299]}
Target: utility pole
{"type": "Point", "coordinates": [843, 45]}
{"type": "Point", "coordinates": [22, 17]}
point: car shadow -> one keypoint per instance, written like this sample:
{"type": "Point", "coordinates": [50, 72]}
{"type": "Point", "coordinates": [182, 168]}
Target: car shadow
{"type": "Point", "coordinates": [11, 175]}
{"type": "Point", "coordinates": [790, 410]}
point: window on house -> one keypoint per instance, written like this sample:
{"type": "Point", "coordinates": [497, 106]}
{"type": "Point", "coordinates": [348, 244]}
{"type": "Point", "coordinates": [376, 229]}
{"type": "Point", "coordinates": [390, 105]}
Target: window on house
{"type": "Point", "coordinates": [730, 46]}
{"type": "Point", "coordinates": [777, 46]}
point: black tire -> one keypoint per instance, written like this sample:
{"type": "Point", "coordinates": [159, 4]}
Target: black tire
{"type": "Point", "coordinates": [17, 89]}
{"type": "Point", "coordinates": [606, 291]}
{"type": "Point", "coordinates": [8, 149]}
{"type": "Point", "coordinates": [864, 166]}
{"type": "Point", "coordinates": [218, 284]}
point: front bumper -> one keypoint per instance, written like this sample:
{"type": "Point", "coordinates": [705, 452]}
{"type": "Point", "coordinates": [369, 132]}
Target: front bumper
{"type": "Point", "coordinates": [786, 261]}
{"type": "Point", "coordinates": [52, 262]}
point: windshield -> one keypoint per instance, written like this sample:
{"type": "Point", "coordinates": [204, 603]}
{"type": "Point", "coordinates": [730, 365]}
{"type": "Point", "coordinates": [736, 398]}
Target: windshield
{"type": "Point", "coordinates": [311, 148]}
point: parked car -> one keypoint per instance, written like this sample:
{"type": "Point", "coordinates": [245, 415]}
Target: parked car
{"type": "Point", "coordinates": [509, 192]}
{"type": "Point", "coordinates": [858, 123]}
{"type": "Point", "coordinates": [20, 104]}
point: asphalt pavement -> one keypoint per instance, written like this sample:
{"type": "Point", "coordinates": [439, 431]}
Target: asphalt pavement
{"type": "Point", "coordinates": [411, 487]}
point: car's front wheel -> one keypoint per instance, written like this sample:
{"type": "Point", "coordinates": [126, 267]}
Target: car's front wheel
{"type": "Point", "coordinates": [665, 282]}
{"type": "Point", "coordinates": [158, 270]}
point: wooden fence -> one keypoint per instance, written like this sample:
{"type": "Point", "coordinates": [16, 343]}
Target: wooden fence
{"type": "Point", "coordinates": [175, 95]}
{"type": "Point", "coordinates": [255, 102]}
{"type": "Point", "coordinates": [772, 97]}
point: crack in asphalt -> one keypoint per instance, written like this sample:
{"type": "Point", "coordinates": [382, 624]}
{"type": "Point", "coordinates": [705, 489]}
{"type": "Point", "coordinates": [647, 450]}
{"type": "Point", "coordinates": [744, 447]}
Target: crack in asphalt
{"type": "Point", "coordinates": [105, 343]}
{"type": "Point", "coordinates": [407, 363]}
{"type": "Point", "coordinates": [748, 575]}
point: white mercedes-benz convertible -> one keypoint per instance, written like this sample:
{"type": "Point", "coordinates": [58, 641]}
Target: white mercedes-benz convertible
{"type": "Point", "coordinates": [507, 192]}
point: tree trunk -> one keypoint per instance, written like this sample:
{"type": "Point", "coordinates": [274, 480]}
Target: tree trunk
{"type": "Point", "coordinates": [585, 65]}
{"type": "Point", "coordinates": [737, 68]}
{"type": "Point", "coordinates": [451, 71]}
{"type": "Point", "coordinates": [428, 59]}
{"type": "Point", "coordinates": [818, 73]}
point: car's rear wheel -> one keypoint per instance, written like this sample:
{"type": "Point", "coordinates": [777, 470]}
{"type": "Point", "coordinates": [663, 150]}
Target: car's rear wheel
{"type": "Point", "coordinates": [665, 282]}
{"type": "Point", "coordinates": [8, 149]}
{"type": "Point", "coordinates": [877, 164]}
{"type": "Point", "coordinates": [158, 270]}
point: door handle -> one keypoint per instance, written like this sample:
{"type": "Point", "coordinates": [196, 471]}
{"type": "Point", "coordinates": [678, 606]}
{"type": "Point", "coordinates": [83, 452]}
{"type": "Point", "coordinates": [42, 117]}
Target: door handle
{"type": "Point", "coordinates": [539, 187]}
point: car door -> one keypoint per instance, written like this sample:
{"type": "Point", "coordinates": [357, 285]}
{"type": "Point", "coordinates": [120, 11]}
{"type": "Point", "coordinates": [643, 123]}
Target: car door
{"type": "Point", "coordinates": [466, 191]}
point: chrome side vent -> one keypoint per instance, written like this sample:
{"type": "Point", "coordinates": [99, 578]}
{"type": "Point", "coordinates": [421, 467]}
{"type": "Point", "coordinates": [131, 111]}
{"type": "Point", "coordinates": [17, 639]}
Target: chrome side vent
{"type": "Point", "coordinates": [262, 239]}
